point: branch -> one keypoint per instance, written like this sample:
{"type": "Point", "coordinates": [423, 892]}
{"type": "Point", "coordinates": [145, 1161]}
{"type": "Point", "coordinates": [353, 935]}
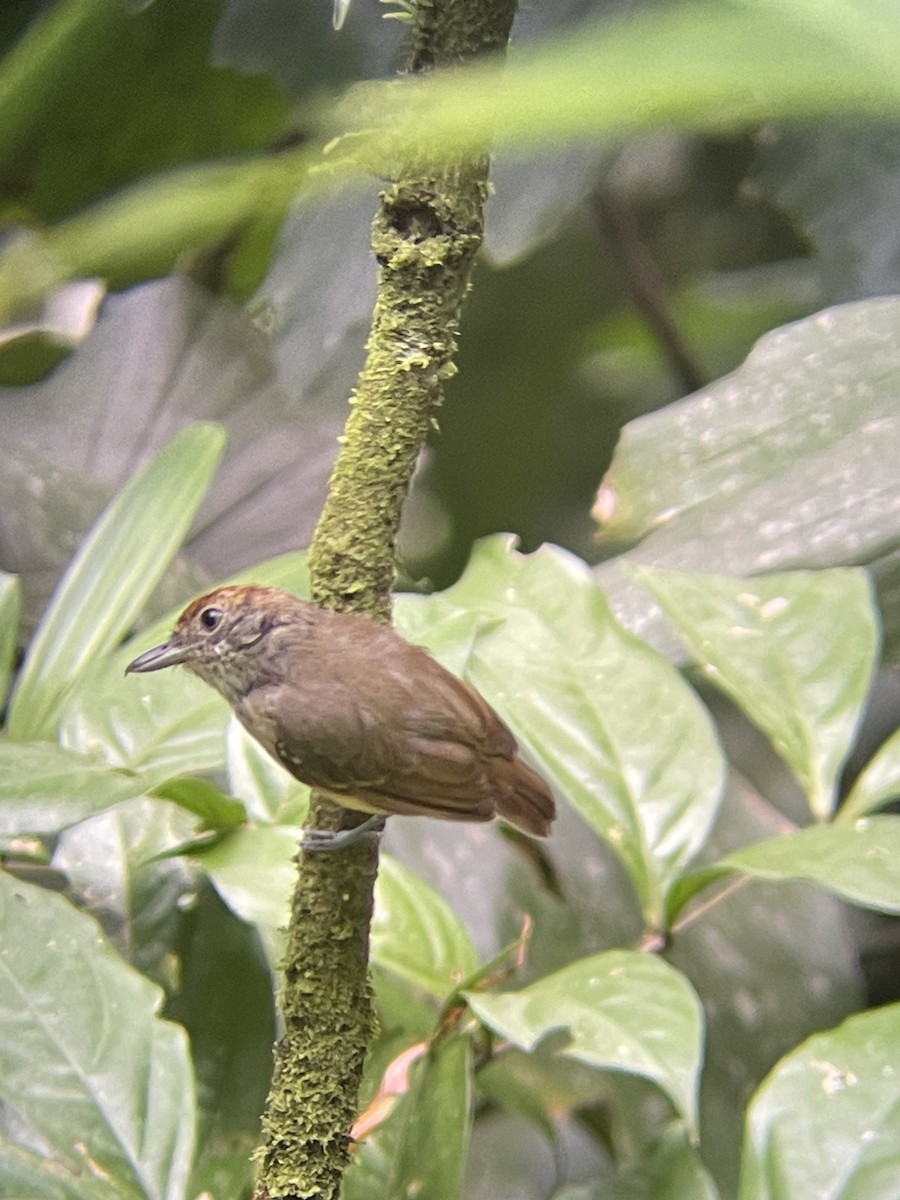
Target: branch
{"type": "Point", "coordinates": [426, 234]}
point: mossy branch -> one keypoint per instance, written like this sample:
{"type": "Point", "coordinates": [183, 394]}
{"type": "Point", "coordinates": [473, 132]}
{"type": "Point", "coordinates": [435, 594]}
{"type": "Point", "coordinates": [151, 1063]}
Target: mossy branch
{"type": "Point", "coordinates": [426, 234]}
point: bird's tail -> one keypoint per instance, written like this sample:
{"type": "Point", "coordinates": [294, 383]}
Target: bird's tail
{"type": "Point", "coordinates": [526, 801]}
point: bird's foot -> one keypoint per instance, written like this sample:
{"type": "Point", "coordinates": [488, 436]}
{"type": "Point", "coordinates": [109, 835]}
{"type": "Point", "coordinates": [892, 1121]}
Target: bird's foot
{"type": "Point", "coordinates": [314, 840]}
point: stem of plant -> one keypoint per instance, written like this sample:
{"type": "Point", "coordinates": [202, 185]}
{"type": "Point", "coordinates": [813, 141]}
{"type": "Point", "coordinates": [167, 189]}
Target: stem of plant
{"type": "Point", "coordinates": [426, 233]}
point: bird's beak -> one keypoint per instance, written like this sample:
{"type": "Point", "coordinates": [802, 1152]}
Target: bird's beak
{"type": "Point", "coordinates": [169, 654]}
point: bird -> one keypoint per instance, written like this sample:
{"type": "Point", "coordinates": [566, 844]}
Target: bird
{"type": "Point", "coordinates": [352, 709]}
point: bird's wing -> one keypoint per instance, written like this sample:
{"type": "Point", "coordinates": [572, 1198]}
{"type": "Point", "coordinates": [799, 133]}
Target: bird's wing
{"type": "Point", "coordinates": [397, 747]}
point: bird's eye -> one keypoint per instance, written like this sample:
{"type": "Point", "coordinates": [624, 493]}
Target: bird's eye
{"type": "Point", "coordinates": [211, 618]}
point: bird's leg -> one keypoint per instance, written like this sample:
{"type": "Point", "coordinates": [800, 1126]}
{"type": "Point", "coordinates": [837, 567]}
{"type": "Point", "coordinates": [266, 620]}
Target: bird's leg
{"type": "Point", "coordinates": [314, 840]}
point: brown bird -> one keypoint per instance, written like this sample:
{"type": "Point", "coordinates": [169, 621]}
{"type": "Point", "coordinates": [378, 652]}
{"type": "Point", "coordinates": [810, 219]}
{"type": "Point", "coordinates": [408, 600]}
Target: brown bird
{"type": "Point", "coordinates": [350, 708]}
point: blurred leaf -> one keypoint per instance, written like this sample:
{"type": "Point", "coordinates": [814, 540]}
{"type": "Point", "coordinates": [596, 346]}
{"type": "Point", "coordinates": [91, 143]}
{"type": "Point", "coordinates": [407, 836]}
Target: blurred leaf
{"type": "Point", "coordinates": [30, 1176]}
{"type": "Point", "coordinates": [82, 1049]}
{"type": "Point", "coordinates": [226, 1002]}
{"type": "Point", "coordinates": [200, 797]}
{"type": "Point", "coordinates": [417, 935]}
{"type": "Point", "coordinates": [421, 1149]}
{"type": "Point", "coordinates": [819, 175]}
{"type": "Point", "coordinates": [693, 65]}
{"type": "Point", "coordinates": [270, 793]}
{"type": "Point", "coordinates": [45, 788]}
{"type": "Point", "coordinates": [612, 725]}
{"type": "Point", "coordinates": [254, 871]}
{"type": "Point", "coordinates": [436, 1117]}
{"type": "Point", "coordinates": [164, 727]}
{"type": "Point", "coordinates": [159, 357]}
{"type": "Point", "coordinates": [796, 652]}
{"type": "Point", "coordinates": [76, 64]}
{"type": "Point", "coordinates": [790, 462]}
{"type": "Point", "coordinates": [120, 867]}
{"type": "Point", "coordinates": [621, 1010]}
{"type": "Point", "coordinates": [860, 863]}
{"type": "Point", "coordinates": [841, 1084]}
{"type": "Point", "coordinates": [112, 575]}
{"type": "Point", "coordinates": [10, 615]}
{"type": "Point", "coordinates": [30, 349]}
{"type": "Point", "coordinates": [878, 783]}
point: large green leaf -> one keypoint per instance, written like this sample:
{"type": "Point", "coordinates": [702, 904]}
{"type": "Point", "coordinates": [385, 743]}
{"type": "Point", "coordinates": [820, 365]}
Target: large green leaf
{"type": "Point", "coordinates": [112, 575]}
{"type": "Point", "coordinates": [608, 720]}
{"type": "Point", "coordinates": [826, 1122]}
{"type": "Point", "coordinates": [29, 1176]}
{"type": "Point", "coordinates": [859, 862]}
{"type": "Point", "coordinates": [816, 174]}
{"type": "Point", "coordinates": [44, 788]}
{"type": "Point", "coordinates": [878, 783]}
{"type": "Point", "coordinates": [796, 652]}
{"type": "Point", "coordinates": [681, 64]}
{"type": "Point", "coordinates": [621, 1010]}
{"type": "Point", "coordinates": [421, 1149]}
{"type": "Point", "coordinates": [86, 1065]}
{"type": "Point", "coordinates": [789, 462]}
{"type": "Point", "coordinates": [10, 612]}
{"type": "Point", "coordinates": [416, 934]}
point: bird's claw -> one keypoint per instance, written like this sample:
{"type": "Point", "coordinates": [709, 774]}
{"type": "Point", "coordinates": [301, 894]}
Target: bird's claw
{"type": "Point", "coordinates": [314, 840]}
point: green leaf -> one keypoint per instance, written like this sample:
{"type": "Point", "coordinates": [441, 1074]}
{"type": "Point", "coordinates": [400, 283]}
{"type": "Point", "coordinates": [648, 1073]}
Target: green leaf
{"type": "Point", "coordinates": [689, 64]}
{"type": "Point", "coordinates": [859, 862]}
{"type": "Point", "coordinates": [254, 871]}
{"type": "Point", "coordinates": [436, 1118]}
{"type": "Point", "coordinates": [85, 1063]}
{"type": "Point", "coordinates": [796, 652]}
{"type": "Point", "coordinates": [876, 785]}
{"type": "Point", "coordinates": [826, 1122]}
{"type": "Point", "coordinates": [112, 575]}
{"type": "Point", "coordinates": [609, 722]}
{"type": "Point", "coordinates": [123, 868]}
{"type": "Point", "coordinates": [163, 725]}
{"type": "Point", "coordinates": [621, 1010]}
{"type": "Point", "coordinates": [44, 788]}
{"type": "Point", "coordinates": [788, 462]}
{"type": "Point", "coordinates": [416, 934]}
{"type": "Point", "coordinates": [215, 809]}
{"type": "Point", "coordinates": [30, 1176]}
{"type": "Point", "coordinates": [10, 615]}
{"type": "Point", "coordinates": [421, 1149]}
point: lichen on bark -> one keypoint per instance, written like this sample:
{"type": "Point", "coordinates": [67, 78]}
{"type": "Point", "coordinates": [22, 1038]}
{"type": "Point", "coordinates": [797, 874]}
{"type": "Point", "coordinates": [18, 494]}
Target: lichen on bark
{"type": "Point", "coordinates": [425, 236]}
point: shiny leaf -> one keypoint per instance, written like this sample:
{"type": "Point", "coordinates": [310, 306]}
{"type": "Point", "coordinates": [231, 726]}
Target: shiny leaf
{"type": "Point", "coordinates": [200, 797]}
{"type": "Point", "coordinates": [10, 614]}
{"type": "Point", "coordinates": [841, 1088]}
{"type": "Point", "coordinates": [416, 934]}
{"type": "Point", "coordinates": [44, 788]}
{"type": "Point", "coordinates": [85, 1062]}
{"type": "Point", "coordinates": [859, 862]}
{"type": "Point", "coordinates": [878, 783]}
{"type": "Point", "coordinates": [112, 575]}
{"type": "Point", "coordinates": [621, 1010]}
{"type": "Point", "coordinates": [796, 652]}
{"type": "Point", "coordinates": [420, 1150]}
{"type": "Point", "coordinates": [788, 462]}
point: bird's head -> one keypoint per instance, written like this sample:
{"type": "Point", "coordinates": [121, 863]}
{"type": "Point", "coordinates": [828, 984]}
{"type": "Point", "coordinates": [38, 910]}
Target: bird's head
{"type": "Point", "coordinates": [223, 636]}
